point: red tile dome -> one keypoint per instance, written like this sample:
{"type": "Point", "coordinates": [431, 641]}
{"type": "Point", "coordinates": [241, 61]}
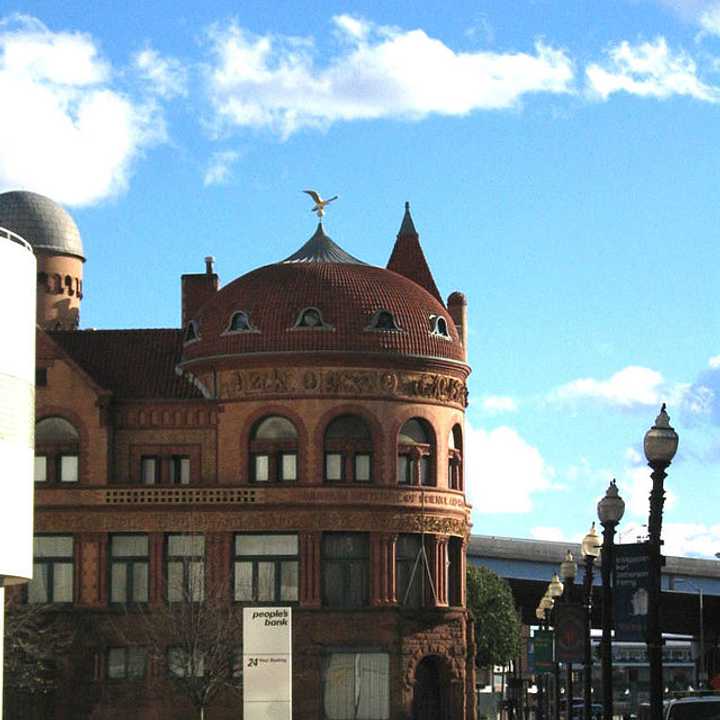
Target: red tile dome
{"type": "Point", "coordinates": [350, 297]}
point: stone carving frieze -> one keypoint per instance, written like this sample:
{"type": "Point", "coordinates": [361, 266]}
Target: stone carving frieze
{"type": "Point", "coordinates": [344, 382]}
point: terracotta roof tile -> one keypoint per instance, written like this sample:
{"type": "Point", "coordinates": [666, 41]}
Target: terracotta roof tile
{"type": "Point", "coordinates": [347, 295]}
{"type": "Point", "coordinates": [133, 364]}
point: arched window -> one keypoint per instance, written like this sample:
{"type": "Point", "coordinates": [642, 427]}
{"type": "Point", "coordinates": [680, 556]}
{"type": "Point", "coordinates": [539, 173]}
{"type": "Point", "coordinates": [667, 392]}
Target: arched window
{"type": "Point", "coordinates": [57, 447]}
{"type": "Point", "coordinates": [383, 321]}
{"type": "Point", "coordinates": [191, 332]}
{"type": "Point", "coordinates": [455, 456]}
{"type": "Point", "coordinates": [240, 322]}
{"type": "Point", "coordinates": [273, 450]}
{"type": "Point", "coordinates": [348, 450]}
{"type": "Point", "coordinates": [439, 326]}
{"type": "Point", "coordinates": [416, 453]}
{"type": "Point", "coordinates": [311, 318]}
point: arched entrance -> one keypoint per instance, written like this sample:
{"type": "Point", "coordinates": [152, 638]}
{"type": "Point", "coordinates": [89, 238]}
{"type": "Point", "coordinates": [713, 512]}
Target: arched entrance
{"type": "Point", "coordinates": [430, 699]}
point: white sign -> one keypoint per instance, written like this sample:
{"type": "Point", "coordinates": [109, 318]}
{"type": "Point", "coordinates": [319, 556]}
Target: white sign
{"type": "Point", "coordinates": [267, 663]}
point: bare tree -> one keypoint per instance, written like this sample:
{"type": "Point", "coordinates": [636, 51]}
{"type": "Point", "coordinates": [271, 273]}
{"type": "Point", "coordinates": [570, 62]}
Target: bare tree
{"type": "Point", "coordinates": [195, 633]}
{"type": "Point", "coordinates": [37, 640]}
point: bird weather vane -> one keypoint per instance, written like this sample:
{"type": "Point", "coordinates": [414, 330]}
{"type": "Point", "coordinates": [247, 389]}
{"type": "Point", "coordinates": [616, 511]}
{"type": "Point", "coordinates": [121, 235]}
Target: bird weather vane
{"type": "Point", "coordinates": [320, 204]}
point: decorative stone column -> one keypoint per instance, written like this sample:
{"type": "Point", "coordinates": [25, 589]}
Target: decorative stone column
{"type": "Point", "coordinates": [310, 593]}
{"type": "Point", "coordinates": [438, 557]}
{"type": "Point", "coordinates": [383, 589]}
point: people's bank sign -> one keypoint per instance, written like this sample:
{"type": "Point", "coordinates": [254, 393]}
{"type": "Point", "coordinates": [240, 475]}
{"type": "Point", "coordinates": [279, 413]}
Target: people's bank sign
{"type": "Point", "coordinates": [267, 663]}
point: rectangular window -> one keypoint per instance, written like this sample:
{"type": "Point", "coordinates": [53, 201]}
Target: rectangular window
{"type": "Point", "coordinates": [261, 468]}
{"type": "Point", "coordinates": [149, 467]}
{"type": "Point", "coordinates": [356, 685]}
{"type": "Point", "coordinates": [129, 568]}
{"type": "Point", "coordinates": [333, 466]}
{"type": "Point", "coordinates": [185, 568]}
{"type": "Point", "coordinates": [40, 468]}
{"type": "Point", "coordinates": [68, 468]}
{"type": "Point", "coordinates": [126, 663]}
{"type": "Point", "coordinates": [410, 570]}
{"type": "Point", "coordinates": [52, 570]}
{"type": "Point", "coordinates": [266, 568]}
{"type": "Point", "coordinates": [288, 466]}
{"type": "Point", "coordinates": [41, 377]}
{"type": "Point", "coordinates": [184, 664]}
{"type": "Point", "coordinates": [404, 470]}
{"type": "Point", "coordinates": [180, 470]}
{"type": "Point", "coordinates": [425, 478]}
{"type": "Point", "coordinates": [345, 569]}
{"type": "Point", "coordinates": [362, 467]}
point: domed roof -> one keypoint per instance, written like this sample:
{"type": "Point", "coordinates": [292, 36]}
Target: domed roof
{"type": "Point", "coordinates": [353, 300]}
{"type": "Point", "coordinates": [40, 221]}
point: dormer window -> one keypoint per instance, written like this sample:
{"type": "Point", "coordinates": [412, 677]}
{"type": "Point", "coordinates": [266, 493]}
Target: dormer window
{"type": "Point", "coordinates": [311, 319]}
{"type": "Point", "coordinates": [240, 322]}
{"type": "Point", "coordinates": [191, 332]}
{"type": "Point", "coordinates": [383, 321]}
{"type": "Point", "coordinates": [439, 326]}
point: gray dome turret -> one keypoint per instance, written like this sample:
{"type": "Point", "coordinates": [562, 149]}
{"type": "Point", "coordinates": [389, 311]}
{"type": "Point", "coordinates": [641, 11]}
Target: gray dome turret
{"type": "Point", "coordinates": [40, 221]}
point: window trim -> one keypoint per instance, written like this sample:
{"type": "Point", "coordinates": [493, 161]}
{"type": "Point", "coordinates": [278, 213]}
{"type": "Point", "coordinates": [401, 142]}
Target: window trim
{"type": "Point", "coordinates": [185, 560]}
{"type": "Point", "coordinates": [126, 665]}
{"type": "Point", "coordinates": [372, 325]}
{"type": "Point", "coordinates": [50, 562]}
{"type": "Point", "coordinates": [322, 325]}
{"type": "Point", "coordinates": [346, 564]}
{"type": "Point", "coordinates": [243, 331]}
{"type": "Point", "coordinates": [129, 562]}
{"type": "Point", "coordinates": [277, 560]}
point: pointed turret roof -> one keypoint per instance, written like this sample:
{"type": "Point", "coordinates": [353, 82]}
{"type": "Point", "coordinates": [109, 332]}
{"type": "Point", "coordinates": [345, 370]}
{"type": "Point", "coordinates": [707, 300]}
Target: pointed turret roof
{"type": "Point", "coordinates": [408, 258]}
{"type": "Point", "coordinates": [322, 249]}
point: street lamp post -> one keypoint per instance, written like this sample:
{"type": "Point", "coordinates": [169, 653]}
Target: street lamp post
{"type": "Point", "coordinates": [568, 571]}
{"type": "Point", "coordinates": [610, 511]}
{"type": "Point", "coordinates": [590, 550]}
{"type": "Point", "coordinates": [553, 592]}
{"type": "Point", "coordinates": [660, 445]}
{"type": "Point", "coordinates": [540, 681]}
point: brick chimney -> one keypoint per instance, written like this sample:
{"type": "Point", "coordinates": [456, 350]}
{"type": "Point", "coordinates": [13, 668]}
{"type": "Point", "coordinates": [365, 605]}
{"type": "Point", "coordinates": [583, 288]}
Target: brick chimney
{"type": "Point", "coordinates": [197, 289]}
{"type": "Point", "coordinates": [457, 307]}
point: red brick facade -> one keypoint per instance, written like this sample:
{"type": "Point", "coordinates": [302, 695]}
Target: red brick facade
{"type": "Point", "coordinates": [168, 441]}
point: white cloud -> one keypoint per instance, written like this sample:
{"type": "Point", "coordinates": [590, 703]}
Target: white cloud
{"type": "Point", "coordinates": [714, 362]}
{"type": "Point", "coordinates": [220, 167]}
{"type": "Point", "coordinates": [628, 387]}
{"type": "Point", "coordinates": [554, 534]}
{"type": "Point", "coordinates": [710, 20]}
{"type": "Point", "coordinates": [650, 69]}
{"type": "Point", "coordinates": [65, 131]}
{"type": "Point", "coordinates": [691, 539]}
{"type": "Point", "coordinates": [635, 485]}
{"type": "Point", "coordinates": [503, 471]}
{"type": "Point", "coordinates": [499, 404]}
{"type": "Point", "coordinates": [377, 72]}
{"type": "Point", "coordinates": [166, 76]}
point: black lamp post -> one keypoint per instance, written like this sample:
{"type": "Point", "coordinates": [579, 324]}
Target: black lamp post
{"type": "Point", "coordinates": [610, 511]}
{"type": "Point", "coordinates": [540, 680]}
{"type": "Point", "coordinates": [590, 550]}
{"type": "Point", "coordinates": [553, 592]}
{"type": "Point", "coordinates": [568, 571]}
{"type": "Point", "coordinates": [660, 445]}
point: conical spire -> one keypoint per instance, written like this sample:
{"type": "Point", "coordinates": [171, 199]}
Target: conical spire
{"type": "Point", "coordinates": [407, 227]}
{"type": "Point", "coordinates": [407, 257]}
{"type": "Point", "coordinates": [322, 249]}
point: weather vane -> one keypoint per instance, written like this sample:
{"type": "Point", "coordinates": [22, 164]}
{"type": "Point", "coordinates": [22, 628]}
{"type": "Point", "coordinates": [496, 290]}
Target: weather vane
{"type": "Point", "coordinates": [320, 204]}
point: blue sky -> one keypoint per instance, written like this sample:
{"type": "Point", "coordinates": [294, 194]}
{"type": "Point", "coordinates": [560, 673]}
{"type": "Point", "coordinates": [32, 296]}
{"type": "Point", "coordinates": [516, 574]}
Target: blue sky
{"type": "Point", "coordinates": [560, 159]}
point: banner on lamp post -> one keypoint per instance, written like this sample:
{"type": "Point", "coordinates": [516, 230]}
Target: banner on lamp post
{"type": "Point", "coordinates": [631, 591]}
{"type": "Point", "coordinates": [541, 649]}
{"type": "Point", "coordinates": [570, 632]}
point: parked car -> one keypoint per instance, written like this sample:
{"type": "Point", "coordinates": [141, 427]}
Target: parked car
{"type": "Point", "coordinates": [698, 707]}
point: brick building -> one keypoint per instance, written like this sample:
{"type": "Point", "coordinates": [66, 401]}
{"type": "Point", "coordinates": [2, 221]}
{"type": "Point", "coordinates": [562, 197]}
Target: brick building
{"type": "Point", "coordinates": [297, 441]}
